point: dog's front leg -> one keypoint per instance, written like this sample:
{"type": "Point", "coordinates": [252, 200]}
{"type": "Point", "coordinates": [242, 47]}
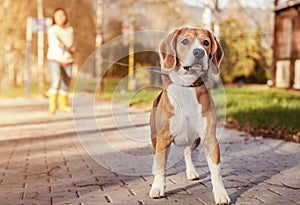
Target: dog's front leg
{"type": "Point", "coordinates": [163, 142]}
{"type": "Point", "coordinates": [159, 169]}
{"type": "Point", "coordinates": [212, 150]}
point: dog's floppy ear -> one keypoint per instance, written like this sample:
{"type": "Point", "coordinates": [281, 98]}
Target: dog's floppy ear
{"type": "Point", "coordinates": [168, 58]}
{"type": "Point", "coordinates": [216, 55]}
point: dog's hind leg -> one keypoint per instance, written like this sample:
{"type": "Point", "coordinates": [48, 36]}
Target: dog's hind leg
{"type": "Point", "coordinates": [153, 127]}
{"type": "Point", "coordinates": [191, 172]}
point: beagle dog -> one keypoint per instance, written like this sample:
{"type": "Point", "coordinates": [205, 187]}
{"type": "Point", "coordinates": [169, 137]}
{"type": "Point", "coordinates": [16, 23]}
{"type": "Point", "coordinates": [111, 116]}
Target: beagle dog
{"type": "Point", "coordinates": [184, 112]}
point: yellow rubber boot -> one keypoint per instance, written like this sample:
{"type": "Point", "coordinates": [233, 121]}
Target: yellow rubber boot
{"type": "Point", "coordinates": [52, 103]}
{"type": "Point", "coordinates": [63, 104]}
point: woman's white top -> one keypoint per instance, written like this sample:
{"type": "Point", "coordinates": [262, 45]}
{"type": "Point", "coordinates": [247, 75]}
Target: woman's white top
{"type": "Point", "coordinates": [60, 39]}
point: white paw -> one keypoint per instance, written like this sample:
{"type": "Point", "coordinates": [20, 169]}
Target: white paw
{"type": "Point", "coordinates": [157, 192]}
{"type": "Point", "coordinates": [222, 198]}
{"type": "Point", "coordinates": [192, 174]}
{"type": "Point", "coordinates": [158, 187]}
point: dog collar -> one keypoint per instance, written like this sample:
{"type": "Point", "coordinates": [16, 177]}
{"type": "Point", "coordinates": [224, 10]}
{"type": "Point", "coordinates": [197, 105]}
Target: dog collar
{"type": "Point", "coordinates": [199, 82]}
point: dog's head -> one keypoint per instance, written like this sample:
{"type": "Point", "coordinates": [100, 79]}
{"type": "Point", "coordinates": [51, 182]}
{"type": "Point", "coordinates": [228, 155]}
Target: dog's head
{"type": "Point", "coordinates": [188, 53]}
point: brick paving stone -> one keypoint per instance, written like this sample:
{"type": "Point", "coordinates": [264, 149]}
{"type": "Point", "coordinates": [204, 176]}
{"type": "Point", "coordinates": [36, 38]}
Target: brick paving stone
{"type": "Point", "coordinates": [45, 161]}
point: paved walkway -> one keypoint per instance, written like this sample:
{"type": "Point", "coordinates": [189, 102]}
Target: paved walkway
{"type": "Point", "coordinates": [44, 160]}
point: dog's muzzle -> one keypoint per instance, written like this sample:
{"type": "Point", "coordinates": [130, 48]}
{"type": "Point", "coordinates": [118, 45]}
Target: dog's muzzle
{"type": "Point", "coordinates": [199, 64]}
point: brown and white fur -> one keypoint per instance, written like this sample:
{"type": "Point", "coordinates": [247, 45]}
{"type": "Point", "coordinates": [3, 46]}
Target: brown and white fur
{"type": "Point", "coordinates": [184, 113]}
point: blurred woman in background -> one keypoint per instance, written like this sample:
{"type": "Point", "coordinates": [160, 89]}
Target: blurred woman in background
{"type": "Point", "coordinates": [60, 59]}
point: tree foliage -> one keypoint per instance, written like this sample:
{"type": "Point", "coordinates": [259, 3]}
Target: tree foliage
{"type": "Point", "coordinates": [244, 55]}
{"type": "Point", "coordinates": [245, 58]}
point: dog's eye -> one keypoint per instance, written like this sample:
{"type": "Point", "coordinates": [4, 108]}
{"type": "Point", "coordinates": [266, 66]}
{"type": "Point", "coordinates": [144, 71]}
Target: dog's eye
{"type": "Point", "coordinates": [185, 41]}
{"type": "Point", "coordinates": [206, 42]}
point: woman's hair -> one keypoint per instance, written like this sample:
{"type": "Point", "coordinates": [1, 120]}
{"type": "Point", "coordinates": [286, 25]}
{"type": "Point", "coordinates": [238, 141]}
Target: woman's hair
{"type": "Point", "coordinates": [64, 11]}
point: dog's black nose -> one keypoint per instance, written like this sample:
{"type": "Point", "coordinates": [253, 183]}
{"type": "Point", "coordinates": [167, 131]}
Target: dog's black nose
{"type": "Point", "coordinates": [198, 53]}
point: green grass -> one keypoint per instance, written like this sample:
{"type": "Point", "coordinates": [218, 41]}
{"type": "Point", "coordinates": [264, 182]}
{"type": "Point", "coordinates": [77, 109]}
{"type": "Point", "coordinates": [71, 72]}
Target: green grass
{"type": "Point", "coordinates": [264, 107]}
{"type": "Point", "coordinates": [114, 90]}
{"type": "Point", "coordinates": [257, 106]}
{"type": "Point", "coordinates": [19, 91]}
{"type": "Point", "coordinates": [254, 105]}
{"type": "Point", "coordinates": [144, 98]}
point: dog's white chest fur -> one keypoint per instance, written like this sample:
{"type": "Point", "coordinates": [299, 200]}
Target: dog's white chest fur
{"type": "Point", "coordinates": [187, 124]}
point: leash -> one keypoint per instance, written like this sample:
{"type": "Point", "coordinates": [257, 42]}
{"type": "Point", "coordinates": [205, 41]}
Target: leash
{"type": "Point", "coordinates": [138, 68]}
{"type": "Point", "coordinates": [157, 71]}
{"type": "Point", "coordinates": [198, 83]}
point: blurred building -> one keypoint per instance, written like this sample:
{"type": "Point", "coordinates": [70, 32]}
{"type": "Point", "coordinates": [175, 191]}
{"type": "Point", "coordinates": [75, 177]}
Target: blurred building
{"type": "Point", "coordinates": [286, 57]}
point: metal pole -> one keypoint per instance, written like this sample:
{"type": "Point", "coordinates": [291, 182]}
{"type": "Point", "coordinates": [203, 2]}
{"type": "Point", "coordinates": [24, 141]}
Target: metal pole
{"type": "Point", "coordinates": [40, 61]}
{"type": "Point", "coordinates": [131, 80]}
{"type": "Point", "coordinates": [28, 52]}
{"type": "Point", "coordinates": [98, 37]}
